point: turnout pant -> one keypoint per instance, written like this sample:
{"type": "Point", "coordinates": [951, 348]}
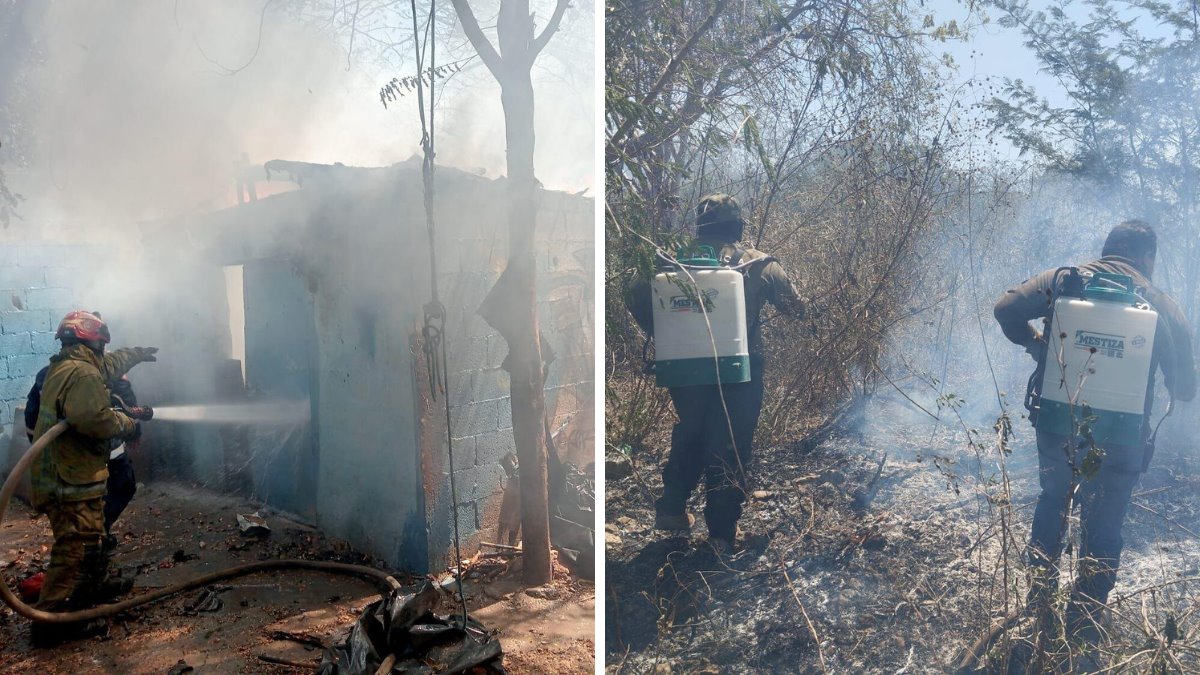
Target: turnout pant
{"type": "Point", "coordinates": [1103, 502]}
{"type": "Point", "coordinates": [76, 562]}
{"type": "Point", "coordinates": [702, 447]}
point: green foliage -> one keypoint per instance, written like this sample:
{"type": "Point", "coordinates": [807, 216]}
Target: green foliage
{"type": "Point", "coordinates": [1095, 454]}
{"type": "Point", "coordinates": [1129, 126]}
{"type": "Point", "coordinates": [814, 115]}
{"type": "Point", "coordinates": [398, 87]}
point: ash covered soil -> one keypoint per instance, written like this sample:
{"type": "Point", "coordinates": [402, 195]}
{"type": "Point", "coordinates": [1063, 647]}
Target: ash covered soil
{"type": "Point", "coordinates": [882, 548]}
{"type": "Point", "coordinates": [172, 533]}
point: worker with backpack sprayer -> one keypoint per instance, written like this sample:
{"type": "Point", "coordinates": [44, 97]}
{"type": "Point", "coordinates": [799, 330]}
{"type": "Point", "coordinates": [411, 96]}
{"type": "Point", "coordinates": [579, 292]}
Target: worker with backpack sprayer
{"type": "Point", "coordinates": [1105, 332]}
{"type": "Point", "coordinates": [703, 313]}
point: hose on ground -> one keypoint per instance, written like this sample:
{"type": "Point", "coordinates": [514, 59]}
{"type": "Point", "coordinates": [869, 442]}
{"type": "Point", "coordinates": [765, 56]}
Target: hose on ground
{"type": "Point", "coordinates": [386, 582]}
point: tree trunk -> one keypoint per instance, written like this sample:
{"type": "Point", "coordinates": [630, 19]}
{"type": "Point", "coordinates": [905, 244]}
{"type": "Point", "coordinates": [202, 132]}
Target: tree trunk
{"type": "Point", "coordinates": [525, 353]}
{"type": "Point", "coordinates": [511, 305]}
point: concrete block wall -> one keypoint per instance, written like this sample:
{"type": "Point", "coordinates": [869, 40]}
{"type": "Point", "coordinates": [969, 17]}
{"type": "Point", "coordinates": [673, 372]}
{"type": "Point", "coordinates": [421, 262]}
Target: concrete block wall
{"type": "Point", "coordinates": [42, 281]}
{"type": "Point", "coordinates": [567, 312]}
{"type": "Point", "coordinates": [471, 259]}
{"type": "Point", "coordinates": [38, 285]}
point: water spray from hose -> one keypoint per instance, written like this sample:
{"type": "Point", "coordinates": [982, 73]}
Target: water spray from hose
{"type": "Point", "coordinates": [267, 413]}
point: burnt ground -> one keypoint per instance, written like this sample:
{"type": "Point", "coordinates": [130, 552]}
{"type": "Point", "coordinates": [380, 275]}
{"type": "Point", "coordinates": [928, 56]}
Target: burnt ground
{"type": "Point", "coordinates": [852, 567]}
{"type": "Point", "coordinates": [284, 615]}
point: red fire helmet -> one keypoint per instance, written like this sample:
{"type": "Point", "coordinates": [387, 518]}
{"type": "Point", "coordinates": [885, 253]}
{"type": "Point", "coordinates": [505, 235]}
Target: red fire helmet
{"type": "Point", "coordinates": [83, 326]}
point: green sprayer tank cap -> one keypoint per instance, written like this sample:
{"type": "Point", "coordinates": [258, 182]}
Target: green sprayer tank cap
{"type": "Point", "coordinates": [1109, 287]}
{"type": "Point", "coordinates": [703, 256]}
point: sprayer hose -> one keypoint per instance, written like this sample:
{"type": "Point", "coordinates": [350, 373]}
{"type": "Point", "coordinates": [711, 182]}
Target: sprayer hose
{"type": "Point", "coordinates": [385, 581]}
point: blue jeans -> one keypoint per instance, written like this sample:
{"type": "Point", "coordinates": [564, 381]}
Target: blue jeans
{"type": "Point", "coordinates": [1103, 502]}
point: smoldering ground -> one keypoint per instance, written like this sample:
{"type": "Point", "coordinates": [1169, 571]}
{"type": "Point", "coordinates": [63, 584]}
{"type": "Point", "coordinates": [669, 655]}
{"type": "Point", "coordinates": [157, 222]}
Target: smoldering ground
{"type": "Point", "coordinates": [894, 539]}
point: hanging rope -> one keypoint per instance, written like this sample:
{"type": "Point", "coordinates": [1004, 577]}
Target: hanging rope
{"type": "Point", "coordinates": [434, 329]}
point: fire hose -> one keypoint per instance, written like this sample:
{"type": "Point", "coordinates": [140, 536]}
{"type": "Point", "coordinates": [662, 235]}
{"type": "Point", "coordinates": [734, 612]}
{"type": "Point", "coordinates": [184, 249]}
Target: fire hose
{"type": "Point", "coordinates": [386, 582]}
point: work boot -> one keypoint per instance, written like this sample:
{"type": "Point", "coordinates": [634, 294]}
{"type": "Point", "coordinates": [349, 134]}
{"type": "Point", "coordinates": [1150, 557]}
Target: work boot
{"type": "Point", "coordinates": [721, 547]}
{"type": "Point", "coordinates": [665, 521]}
{"type": "Point", "coordinates": [44, 635]}
{"type": "Point", "coordinates": [1040, 602]}
{"type": "Point", "coordinates": [1083, 620]}
{"type": "Point", "coordinates": [724, 547]}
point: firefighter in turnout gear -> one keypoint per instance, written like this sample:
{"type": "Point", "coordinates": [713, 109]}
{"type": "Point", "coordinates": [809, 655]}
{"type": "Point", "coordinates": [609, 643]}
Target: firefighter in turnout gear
{"type": "Point", "coordinates": [69, 478]}
{"type": "Point", "coordinates": [122, 483]}
{"type": "Point", "coordinates": [707, 443]}
{"type": "Point", "coordinates": [1103, 495]}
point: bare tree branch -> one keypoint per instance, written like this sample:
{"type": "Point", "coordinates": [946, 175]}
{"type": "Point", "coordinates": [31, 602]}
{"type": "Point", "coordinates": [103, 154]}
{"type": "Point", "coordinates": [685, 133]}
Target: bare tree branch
{"type": "Point", "coordinates": [668, 72]}
{"type": "Point", "coordinates": [487, 52]}
{"type": "Point", "coordinates": [539, 43]}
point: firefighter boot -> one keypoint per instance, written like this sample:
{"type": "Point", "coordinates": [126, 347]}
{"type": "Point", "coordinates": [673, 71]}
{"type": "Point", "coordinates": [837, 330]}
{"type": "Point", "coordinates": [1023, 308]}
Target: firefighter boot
{"type": "Point", "coordinates": [43, 635]}
{"type": "Point", "coordinates": [101, 581]}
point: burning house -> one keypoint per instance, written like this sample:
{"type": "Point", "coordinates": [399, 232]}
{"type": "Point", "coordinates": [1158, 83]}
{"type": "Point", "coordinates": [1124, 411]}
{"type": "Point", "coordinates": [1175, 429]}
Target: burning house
{"type": "Point", "coordinates": [314, 299]}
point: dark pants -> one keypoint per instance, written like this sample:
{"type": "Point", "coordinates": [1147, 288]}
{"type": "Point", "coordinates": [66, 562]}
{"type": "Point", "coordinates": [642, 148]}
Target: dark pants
{"type": "Point", "coordinates": [1103, 502]}
{"type": "Point", "coordinates": [121, 486]}
{"type": "Point", "coordinates": [701, 447]}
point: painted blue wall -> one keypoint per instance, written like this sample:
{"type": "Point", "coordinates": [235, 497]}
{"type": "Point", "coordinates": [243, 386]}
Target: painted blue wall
{"type": "Point", "coordinates": [37, 287]}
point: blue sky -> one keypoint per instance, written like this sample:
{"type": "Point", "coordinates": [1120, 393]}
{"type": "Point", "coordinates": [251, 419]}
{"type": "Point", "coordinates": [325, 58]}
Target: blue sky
{"type": "Point", "coordinates": [992, 51]}
{"type": "Point", "coordinates": [997, 52]}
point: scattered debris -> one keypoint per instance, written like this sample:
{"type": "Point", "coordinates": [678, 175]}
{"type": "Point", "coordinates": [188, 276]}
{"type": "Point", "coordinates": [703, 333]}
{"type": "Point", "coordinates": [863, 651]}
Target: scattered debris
{"type": "Point", "coordinates": [617, 466]}
{"type": "Point", "coordinates": [404, 630]}
{"type": "Point", "coordinates": [287, 662]}
{"type": "Point", "coordinates": [252, 525]}
{"type": "Point", "coordinates": [180, 668]}
{"type": "Point", "coordinates": [611, 538]}
{"type": "Point", "coordinates": [31, 588]}
{"type": "Point", "coordinates": [206, 600]}
{"type": "Point", "coordinates": [543, 592]}
{"type": "Point", "coordinates": [302, 638]}
{"type": "Point", "coordinates": [180, 556]}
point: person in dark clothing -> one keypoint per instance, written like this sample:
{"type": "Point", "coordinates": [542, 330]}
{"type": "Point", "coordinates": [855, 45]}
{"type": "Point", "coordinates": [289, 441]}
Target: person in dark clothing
{"type": "Point", "coordinates": [701, 444]}
{"type": "Point", "coordinates": [1104, 496]}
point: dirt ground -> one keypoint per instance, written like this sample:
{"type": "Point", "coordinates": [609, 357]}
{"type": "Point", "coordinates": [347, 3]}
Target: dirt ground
{"type": "Point", "coordinates": [171, 533]}
{"type": "Point", "coordinates": [886, 547]}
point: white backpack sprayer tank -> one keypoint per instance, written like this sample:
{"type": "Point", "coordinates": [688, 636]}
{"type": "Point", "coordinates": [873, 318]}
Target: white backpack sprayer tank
{"type": "Point", "coordinates": [1101, 339]}
{"type": "Point", "coordinates": [699, 318]}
